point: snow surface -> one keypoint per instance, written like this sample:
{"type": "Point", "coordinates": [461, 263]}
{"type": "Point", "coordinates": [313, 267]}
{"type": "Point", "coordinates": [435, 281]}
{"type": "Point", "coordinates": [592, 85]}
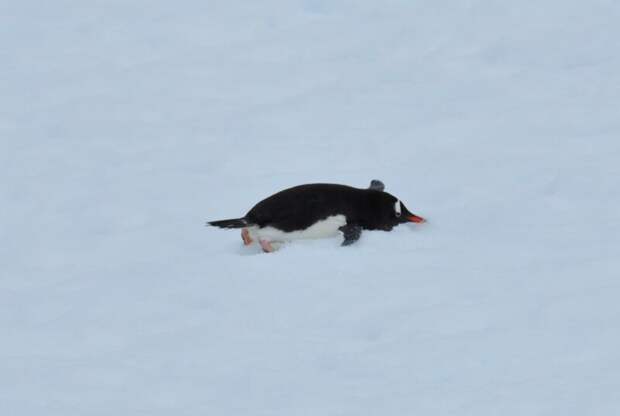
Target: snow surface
{"type": "Point", "coordinates": [124, 125]}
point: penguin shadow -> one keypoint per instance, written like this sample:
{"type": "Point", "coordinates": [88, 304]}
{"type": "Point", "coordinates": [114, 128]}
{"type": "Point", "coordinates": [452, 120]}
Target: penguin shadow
{"type": "Point", "coordinates": [251, 250]}
{"type": "Point", "coordinates": [255, 249]}
{"type": "Point", "coordinates": [327, 244]}
{"type": "Point", "coordinates": [289, 246]}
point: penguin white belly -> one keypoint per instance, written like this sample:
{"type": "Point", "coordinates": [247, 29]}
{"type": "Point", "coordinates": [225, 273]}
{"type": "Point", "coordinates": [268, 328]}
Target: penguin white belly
{"type": "Point", "coordinates": [329, 227]}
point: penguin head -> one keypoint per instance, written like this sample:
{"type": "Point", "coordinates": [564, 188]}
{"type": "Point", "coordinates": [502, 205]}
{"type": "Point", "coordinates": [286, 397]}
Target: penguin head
{"type": "Point", "coordinates": [392, 212]}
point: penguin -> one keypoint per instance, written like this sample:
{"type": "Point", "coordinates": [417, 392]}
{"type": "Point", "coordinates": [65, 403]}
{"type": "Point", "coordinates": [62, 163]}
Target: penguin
{"type": "Point", "coordinates": [320, 210]}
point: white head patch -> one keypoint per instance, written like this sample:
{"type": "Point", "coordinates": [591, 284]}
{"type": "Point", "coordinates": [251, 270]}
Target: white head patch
{"type": "Point", "coordinates": [397, 208]}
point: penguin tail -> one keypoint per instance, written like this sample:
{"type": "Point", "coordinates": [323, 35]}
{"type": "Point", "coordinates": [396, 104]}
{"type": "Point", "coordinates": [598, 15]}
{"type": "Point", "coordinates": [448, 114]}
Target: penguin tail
{"type": "Point", "coordinates": [232, 223]}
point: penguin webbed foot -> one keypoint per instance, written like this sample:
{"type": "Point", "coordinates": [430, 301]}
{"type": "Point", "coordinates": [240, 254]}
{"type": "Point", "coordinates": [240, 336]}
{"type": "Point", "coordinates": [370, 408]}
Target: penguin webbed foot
{"type": "Point", "coordinates": [246, 237]}
{"type": "Point", "coordinates": [267, 246]}
{"type": "Point", "coordinates": [351, 233]}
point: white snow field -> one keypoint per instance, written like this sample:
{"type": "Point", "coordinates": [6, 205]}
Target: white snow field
{"type": "Point", "coordinates": [125, 125]}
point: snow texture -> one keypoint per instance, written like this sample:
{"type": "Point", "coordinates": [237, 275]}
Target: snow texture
{"type": "Point", "coordinates": [124, 125]}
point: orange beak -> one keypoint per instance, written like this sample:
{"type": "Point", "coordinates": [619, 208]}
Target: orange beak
{"type": "Point", "coordinates": [415, 218]}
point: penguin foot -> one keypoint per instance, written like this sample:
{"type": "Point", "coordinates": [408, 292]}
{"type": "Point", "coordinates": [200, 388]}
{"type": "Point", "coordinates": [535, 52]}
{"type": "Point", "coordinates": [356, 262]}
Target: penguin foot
{"type": "Point", "coordinates": [245, 235]}
{"type": "Point", "coordinates": [266, 246]}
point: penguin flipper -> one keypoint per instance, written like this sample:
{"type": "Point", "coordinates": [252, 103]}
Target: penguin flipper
{"type": "Point", "coordinates": [376, 185]}
{"type": "Point", "coordinates": [351, 233]}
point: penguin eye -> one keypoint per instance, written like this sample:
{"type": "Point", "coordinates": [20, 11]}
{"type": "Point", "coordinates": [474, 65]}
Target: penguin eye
{"type": "Point", "coordinates": [397, 208]}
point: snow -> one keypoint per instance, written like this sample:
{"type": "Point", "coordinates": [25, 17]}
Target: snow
{"type": "Point", "coordinates": [124, 125]}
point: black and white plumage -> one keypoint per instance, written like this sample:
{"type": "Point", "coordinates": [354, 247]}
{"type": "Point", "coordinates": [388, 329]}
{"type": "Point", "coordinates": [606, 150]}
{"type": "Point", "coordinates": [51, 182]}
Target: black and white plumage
{"type": "Point", "coordinates": [320, 210]}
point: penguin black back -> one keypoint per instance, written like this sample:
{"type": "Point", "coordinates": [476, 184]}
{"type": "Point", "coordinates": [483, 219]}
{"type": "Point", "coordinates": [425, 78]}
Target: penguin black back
{"type": "Point", "coordinates": [299, 207]}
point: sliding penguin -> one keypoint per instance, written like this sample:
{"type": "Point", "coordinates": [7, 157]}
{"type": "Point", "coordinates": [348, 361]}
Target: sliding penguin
{"type": "Point", "coordinates": [320, 210]}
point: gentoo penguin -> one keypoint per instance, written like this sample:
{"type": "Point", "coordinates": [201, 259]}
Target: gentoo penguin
{"type": "Point", "coordinates": [320, 210]}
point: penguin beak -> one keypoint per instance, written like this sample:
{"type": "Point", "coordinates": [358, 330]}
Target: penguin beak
{"type": "Point", "coordinates": [409, 216]}
{"type": "Point", "coordinates": [416, 219]}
